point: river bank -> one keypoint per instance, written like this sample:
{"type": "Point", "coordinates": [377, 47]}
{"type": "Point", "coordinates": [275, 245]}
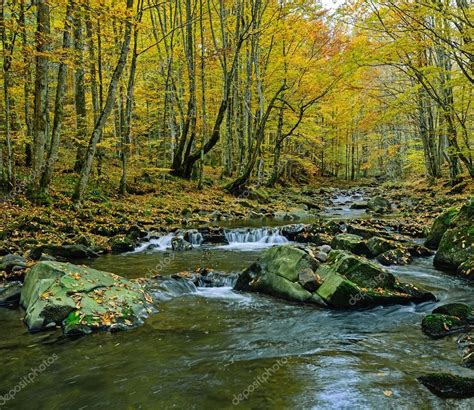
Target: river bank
{"type": "Point", "coordinates": [102, 219]}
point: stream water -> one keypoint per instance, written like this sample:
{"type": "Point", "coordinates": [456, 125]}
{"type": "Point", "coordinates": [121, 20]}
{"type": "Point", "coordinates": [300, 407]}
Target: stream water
{"type": "Point", "coordinates": [208, 346]}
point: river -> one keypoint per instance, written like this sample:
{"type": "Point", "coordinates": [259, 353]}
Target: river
{"type": "Point", "coordinates": [216, 348]}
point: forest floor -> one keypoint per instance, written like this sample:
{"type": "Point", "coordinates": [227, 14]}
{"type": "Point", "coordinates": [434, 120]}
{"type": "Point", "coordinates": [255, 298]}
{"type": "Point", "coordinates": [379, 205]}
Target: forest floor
{"type": "Point", "coordinates": [166, 203]}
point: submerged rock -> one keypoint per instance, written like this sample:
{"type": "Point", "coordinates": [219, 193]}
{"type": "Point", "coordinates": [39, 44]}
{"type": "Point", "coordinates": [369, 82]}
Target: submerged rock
{"type": "Point", "coordinates": [446, 385]}
{"type": "Point", "coordinates": [81, 299]}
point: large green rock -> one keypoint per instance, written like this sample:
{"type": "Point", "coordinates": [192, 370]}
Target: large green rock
{"type": "Point", "coordinates": [440, 225]}
{"type": "Point", "coordinates": [457, 243]}
{"type": "Point", "coordinates": [360, 270]}
{"type": "Point", "coordinates": [352, 281]}
{"type": "Point", "coordinates": [456, 247]}
{"type": "Point", "coordinates": [379, 245]}
{"type": "Point", "coordinates": [344, 281]}
{"type": "Point", "coordinates": [352, 243]}
{"type": "Point", "coordinates": [81, 299]}
{"type": "Point", "coordinates": [283, 272]}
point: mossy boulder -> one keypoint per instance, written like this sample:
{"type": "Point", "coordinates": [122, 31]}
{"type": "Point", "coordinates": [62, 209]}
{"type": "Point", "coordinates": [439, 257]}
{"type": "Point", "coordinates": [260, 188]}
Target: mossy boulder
{"type": "Point", "coordinates": [75, 251]}
{"type": "Point", "coordinates": [352, 281]}
{"type": "Point", "coordinates": [398, 256]}
{"type": "Point", "coordinates": [456, 247]}
{"type": "Point", "coordinates": [466, 269]}
{"type": "Point", "coordinates": [359, 270]}
{"type": "Point", "coordinates": [352, 243]}
{"type": "Point", "coordinates": [286, 272]}
{"type": "Point", "coordinates": [457, 243]}
{"type": "Point", "coordinates": [121, 245]}
{"type": "Point", "coordinates": [447, 386]}
{"type": "Point", "coordinates": [463, 311]}
{"type": "Point", "coordinates": [344, 281]}
{"type": "Point", "coordinates": [81, 299]}
{"type": "Point", "coordinates": [378, 245]}
{"type": "Point", "coordinates": [440, 225]}
{"type": "Point", "coordinates": [437, 325]}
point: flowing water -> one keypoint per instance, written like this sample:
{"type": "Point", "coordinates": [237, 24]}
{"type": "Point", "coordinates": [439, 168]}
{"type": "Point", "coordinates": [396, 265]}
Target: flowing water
{"type": "Point", "coordinates": [215, 348]}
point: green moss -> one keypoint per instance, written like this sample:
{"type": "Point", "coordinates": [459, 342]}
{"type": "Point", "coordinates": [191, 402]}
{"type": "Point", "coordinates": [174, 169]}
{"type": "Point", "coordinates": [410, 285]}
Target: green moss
{"type": "Point", "coordinates": [460, 310]}
{"type": "Point", "coordinates": [437, 325]}
{"type": "Point", "coordinates": [74, 318]}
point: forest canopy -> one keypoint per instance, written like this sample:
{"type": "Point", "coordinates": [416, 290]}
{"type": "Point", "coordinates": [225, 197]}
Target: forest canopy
{"type": "Point", "coordinates": [257, 91]}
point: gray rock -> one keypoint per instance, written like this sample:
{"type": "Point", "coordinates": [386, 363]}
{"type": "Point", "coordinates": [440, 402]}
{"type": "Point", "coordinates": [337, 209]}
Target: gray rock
{"type": "Point", "coordinates": [379, 205]}
{"type": "Point", "coordinates": [10, 293]}
{"type": "Point", "coordinates": [321, 256]}
{"type": "Point", "coordinates": [9, 262]}
{"type": "Point", "coordinates": [81, 299]}
{"type": "Point", "coordinates": [75, 251]}
{"type": "Point", "coordinates": [325, 248]}
{"type": "Point", "coordinates": [178, 244]}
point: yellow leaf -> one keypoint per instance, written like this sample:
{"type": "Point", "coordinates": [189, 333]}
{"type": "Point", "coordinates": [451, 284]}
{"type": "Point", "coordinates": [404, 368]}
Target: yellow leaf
{"type": "Point", "coordinates": [387, 393]}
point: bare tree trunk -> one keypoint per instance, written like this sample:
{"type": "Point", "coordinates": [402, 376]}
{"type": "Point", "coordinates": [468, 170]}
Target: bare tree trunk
{"type": "Point", "coordinates": [52, 154]}
{"type": "Point", "coordinates": [240, 182]}
{"type": "Point", "coordinates": [27, 84]}
{"type": "Point", "coordinates": [126, 137]}
{"type": "Point", "coordinates": [7, 42]}
{"type": "Point", "coordinates": [109, 104]}
{"type": "Point", "coordinates": [80, 89]}
{"type": "Point", "coordinates": [40, 135]}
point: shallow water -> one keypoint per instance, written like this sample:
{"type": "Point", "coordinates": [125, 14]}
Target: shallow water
{"type": "Point", "coordinates": [204, 349]}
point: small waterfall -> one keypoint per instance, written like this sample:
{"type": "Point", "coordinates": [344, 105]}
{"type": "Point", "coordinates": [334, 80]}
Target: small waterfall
{"type": "Point", "coordinates": [162, 243]}
{"type": "Point", "coordinates": [254, 237]}
{"type": "Point", "coordinates": [167, 288]}
{"type": "Point", "coordinates": [218, 280]}
{"type": "Point", "coordinates": [195, 238]}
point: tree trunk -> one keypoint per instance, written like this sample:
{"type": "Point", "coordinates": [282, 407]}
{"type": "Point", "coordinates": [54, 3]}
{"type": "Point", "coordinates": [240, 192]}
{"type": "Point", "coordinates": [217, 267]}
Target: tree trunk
{"type": "Point", "coordinates": [40, 135]}
{"type": "Point", "coordinates": [59, 102]}
{"type": "Point", "coordinates": [80, 90]}
{"type": "Point", "coordinates": [109, 104]}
